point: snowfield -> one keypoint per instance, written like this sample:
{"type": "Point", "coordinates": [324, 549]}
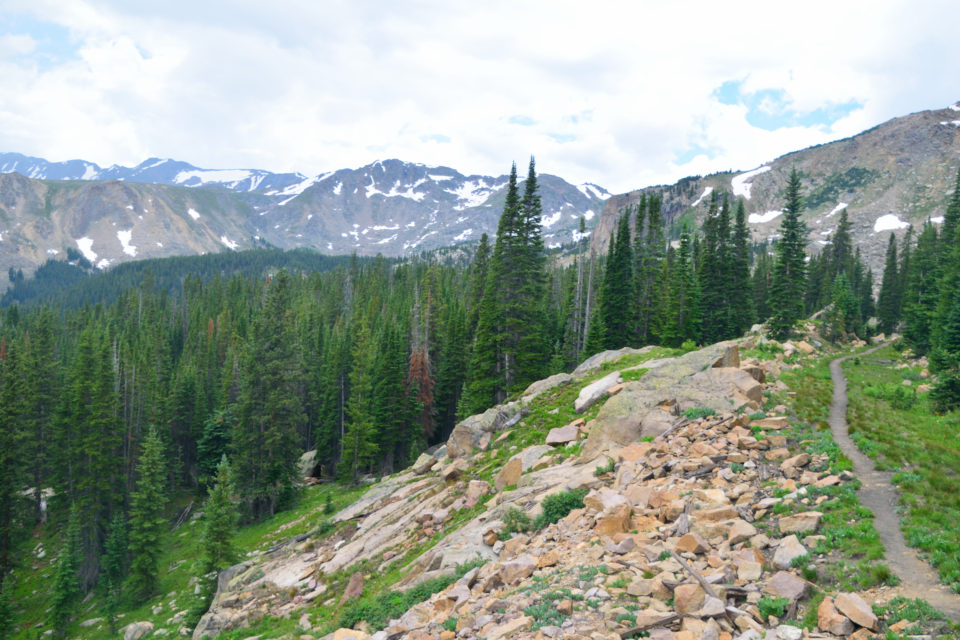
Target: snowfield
{"type": "Point", "coordinates": [761, 218]}
{"type": "Point", "coordinates": [740, 184]}
{"type": "Point", "coordinates": [889, 222]}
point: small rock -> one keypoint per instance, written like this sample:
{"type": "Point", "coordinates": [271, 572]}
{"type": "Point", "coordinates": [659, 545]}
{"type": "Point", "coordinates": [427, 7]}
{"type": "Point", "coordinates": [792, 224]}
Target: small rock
{"type": "Point", "coordinates": [789, 548]}
{"type": "Point", "coordinates": [692, 543]}
{"type": "Point", "coordinates": [831, 620]}
{"type": "Point", "coordinates": [740, 530]}
{"type": "Point", "coordinates": [563, 435]}
{"type": "Point", "coordinates": [687, 598]}
{"type": "Point", "coordinates": [786, 585]}
{"type": "Point", "coordinates": [801, 522]}
{"type": "Point", "coordinates": [136, 630]}
{"type": "Point", "coordinates": [853, 606]}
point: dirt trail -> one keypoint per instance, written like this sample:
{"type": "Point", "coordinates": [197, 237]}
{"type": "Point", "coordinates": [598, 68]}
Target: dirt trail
{"type": "Point", "coordinates": [918, 579]}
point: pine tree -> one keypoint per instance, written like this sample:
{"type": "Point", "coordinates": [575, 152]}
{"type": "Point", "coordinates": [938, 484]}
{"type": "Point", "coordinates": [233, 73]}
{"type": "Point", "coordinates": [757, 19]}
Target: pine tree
{"type": "Point", "coordinates": [269, 413]}
{"type": "Point", "coordinates": [360, 441]}
{"type": "Point", "coordinates": [921, 292]}
{"type": "Point", "coordinates": [888, 305]}
{"type": "Point", "coordinates": [114, 565]}
{"type": "Point", "coordinates": [219, 522]}
{"type": "Point", "coordinates": [789, 271]}
{"type": "Point", "coordinates": [617, 289]}
{"type": "Point", "coordinates": [66, 581]}
{"type": "Point", "coordinates": [6, 611]}
{"type": "Point", "coordinates": [741, 306]}
{"type": "Point", "coordinates": [147, 523]}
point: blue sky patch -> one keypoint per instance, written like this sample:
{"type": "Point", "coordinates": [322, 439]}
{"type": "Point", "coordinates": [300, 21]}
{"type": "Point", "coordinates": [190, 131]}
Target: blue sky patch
{"type": "Point", "coordinates": [771, 109]}
{"type": "Point", "coordinates": [523, 121]}
{"type": "Point", "coordinates": [53, 43]}
{"type": "Point", "coordinates": [435, 137]}
{"type": "Point", "coordinates": [692, 152]}
{"type": "Point", "coordinates": [561, 137]}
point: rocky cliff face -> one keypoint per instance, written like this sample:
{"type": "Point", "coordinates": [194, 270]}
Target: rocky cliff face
{"type": "Point", "coordinates": [693, 515]}
{"type": "Point", "coordinates": [163, 208]}
{"type": "Point", "coordinates": [899, 173]}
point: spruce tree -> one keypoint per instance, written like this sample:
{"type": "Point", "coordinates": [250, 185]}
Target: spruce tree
{"type": "Point", "coordinates": [888, 304]}
{"type": "Point", "coordinates": [219, 522]}
{"type": "Point", "coordinates": [921, 292]}
{"type": "Point", "coordinates": [269, 413]}
{"type": "Point", "coordinates": [147, 524]}
{"type": "Point", "coordinates": [360, 440]}
{"type": "Point", "coordinates": [741, 306]}
{"type": "Point", "coordinates": [616, 293]}
{"type": "Point", "coordinates": [114, 565]}
{"type": "Point", "coordinates": [66, 580]}
{"type": "Point", "coordinates": [789, 271]}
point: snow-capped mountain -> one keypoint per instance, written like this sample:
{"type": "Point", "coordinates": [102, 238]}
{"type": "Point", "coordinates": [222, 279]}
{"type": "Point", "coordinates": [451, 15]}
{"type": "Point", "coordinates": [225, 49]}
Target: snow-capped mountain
{"type": "Point", "coordinates": [167, 207]}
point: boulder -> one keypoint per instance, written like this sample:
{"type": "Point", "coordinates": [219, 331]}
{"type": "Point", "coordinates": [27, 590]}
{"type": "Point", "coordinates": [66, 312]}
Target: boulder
{"type": "Point", "coordinates": [616, 520]}
{"type": "Point", "coordinates": [831, 620]}
{"type": "Point", "coordinates": [853, 606]}
{"type": "Point", "coordinates": [788, 549]}
{"type": "Point", "coordinates": [307, 464]}
{"type": "Point", "coordinates": [692, 543]}
{"type": "Point", "coordinates": [800, 523]}
{"type": "Point", "coordinates": [563, 435]}
{"type": "Point", "coordinates": [469, 433]}
{"type": "Point", "coordinates": [348, 634]}
{"type": "Point", "coordinates": [423, 464]}
{"type": "Point", "coordinates": [595, 361]}
{"type": "Point", "coordinates": [476, 490]}
{"type": "Point", "coordinates": [591, 393]}
{"type": "Point", "coordinates": [510, 629]}
{"type": "Point", "coordinates": [529, 456]}
{"type": "Point", "coordinates": [454, 470]}
{"type": "Point", "coordinates": [509, 475]}
{"type": "Point", "coordinates": [136, 630]}
{"type": "Point", "coordinates": [540, 386]}
{"type": "Point", "coordinates": [604, 499]}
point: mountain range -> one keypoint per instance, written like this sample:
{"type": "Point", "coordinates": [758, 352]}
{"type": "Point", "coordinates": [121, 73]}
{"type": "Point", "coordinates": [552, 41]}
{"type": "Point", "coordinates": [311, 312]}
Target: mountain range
{"type": "Point", "coordinates": [166, 207]}
{"type": "Point", "coordinates": [897, 174]}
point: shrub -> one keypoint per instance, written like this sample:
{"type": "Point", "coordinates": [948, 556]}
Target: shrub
{"type": "Point", "coordinates": [698, 412]}
{"type": "Point", "coordinates": [604, 469]}
{"type": "Point", "coordinates": [514, 521]}
{"type": "Point", "coordinates": [558, 506]}
{"type": "Point", "coordinates": [773, 607]}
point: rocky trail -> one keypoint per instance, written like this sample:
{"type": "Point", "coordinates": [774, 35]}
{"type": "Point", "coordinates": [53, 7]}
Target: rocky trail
{"type": "Point", "coordinates": [877, 493]}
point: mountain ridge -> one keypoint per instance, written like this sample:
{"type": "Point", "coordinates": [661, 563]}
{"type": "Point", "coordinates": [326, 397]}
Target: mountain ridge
{"type": "Point", "coordinates": [163, 207]}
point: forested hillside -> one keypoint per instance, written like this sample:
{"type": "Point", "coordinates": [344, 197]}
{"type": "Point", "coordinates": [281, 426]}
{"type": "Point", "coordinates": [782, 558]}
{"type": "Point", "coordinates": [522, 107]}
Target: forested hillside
{"type": "Point", "coordinates": [124, 403]}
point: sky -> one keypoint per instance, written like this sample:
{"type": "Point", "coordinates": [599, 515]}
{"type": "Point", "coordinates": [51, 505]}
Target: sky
{"type": "Point", "coordinates": [621, 94]}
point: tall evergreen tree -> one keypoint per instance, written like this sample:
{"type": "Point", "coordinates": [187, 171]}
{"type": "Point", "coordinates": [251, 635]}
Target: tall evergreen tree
{"type": "Point", "coordinates": [741, 306]}
{"type": "Point", "coordinates": [147, 523]}
{"type": "Point", "coordinates": [616, 293]}
{"type": "Point", "coordinates": [789, 271]}
{"type": "Point", "coordinates": [360, 441]}
{"type": "Point", "coordinates": [264, 440]}
{"type": "Point", "coordinates": [219, 522]}
{"type": "Point", "coordinates": [888, 305]}
{"type": "Point", "coordinates": [66, 580]}
{"type": "Point", "coordinates": [921, 292]}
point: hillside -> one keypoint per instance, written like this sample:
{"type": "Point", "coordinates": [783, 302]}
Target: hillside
{"type": "Point", "coordinates": [895, 174]}
{"type": "Point", "coordinates": [166, 208]}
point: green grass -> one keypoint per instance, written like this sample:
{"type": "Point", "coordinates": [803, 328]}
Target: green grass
{"type": "Point", "coordinates": [923, 449]}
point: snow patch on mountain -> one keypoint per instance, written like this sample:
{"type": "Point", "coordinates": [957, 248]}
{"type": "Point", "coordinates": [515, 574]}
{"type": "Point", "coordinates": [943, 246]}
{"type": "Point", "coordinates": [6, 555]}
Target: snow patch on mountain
{"type": "Point", "coordinates": [761, 218]}
{"type": "Point", "coordinates": [229, 177]}
{"type": "Point", "coordinates": [193, 213]}
{"type": "Point", "coordinates": [549, 221]}
{"type": "Point", "coordinates": [706, 192]}
{"type": "Point", "coordinates": [593, 191]}
{"type": "Point", "coordinates": [840, 206]}
{"type": "Point", "coordinates": [89, 172]}
{"type": "Point", "coordinates": [85, 245]}
{"type": "Point", "coordinates": [337, 189]}
{"type": "Point", "coordinates": [297, 188]}
{"type": "Point", "coordinates": [437, 178]}
{"type": "Point", "coordinates": [228, 243]}
{"type": "Point", "coordinates": [472, 193]}
{"type": "Point", "coordinates": [463, 235]}
{"type": "Point", "coordinates": [889, 222]}
{"type": "Point", "coordinates": [954, 107]}
{"type": "Point", "coordinates": [124, 237]}
{"type": "Point", "coordinates": [937, 219]}
{"type": "Point", "coordinates": [740, 184]}
{"type": "Point", "coordinates": [955, 123]}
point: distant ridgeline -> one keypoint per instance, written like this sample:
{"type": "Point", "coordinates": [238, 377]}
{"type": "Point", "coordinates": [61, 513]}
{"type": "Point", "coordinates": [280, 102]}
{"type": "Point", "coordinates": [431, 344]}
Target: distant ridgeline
{"type": "Point", "coordinates": [72, 284]}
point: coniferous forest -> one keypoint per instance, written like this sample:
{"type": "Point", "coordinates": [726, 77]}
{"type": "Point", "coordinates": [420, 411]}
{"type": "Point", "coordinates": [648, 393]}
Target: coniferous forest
{"type": "Point", "coordinates": [215, 379]}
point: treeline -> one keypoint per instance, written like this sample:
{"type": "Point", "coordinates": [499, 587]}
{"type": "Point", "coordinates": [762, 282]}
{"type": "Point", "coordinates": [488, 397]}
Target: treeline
{"type": "Point", "coordinates": [75, 282]}
{"type": "Point", "coordinates": [920, 296]}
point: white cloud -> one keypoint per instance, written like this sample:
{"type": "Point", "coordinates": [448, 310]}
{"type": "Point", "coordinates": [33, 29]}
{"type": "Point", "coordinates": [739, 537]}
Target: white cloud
{"type": "Point", "coordinates": [320, 86]}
